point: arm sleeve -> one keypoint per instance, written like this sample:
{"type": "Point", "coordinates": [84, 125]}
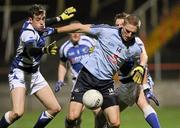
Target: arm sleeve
{"type": "Point", "coordinates": [33, 51]}
{"type": "Point", "coordinates": [51, 21]}
{"type": "Point", "coordinates": [95, 29]}
{"type": "Point", "coordinates": [99, 29]}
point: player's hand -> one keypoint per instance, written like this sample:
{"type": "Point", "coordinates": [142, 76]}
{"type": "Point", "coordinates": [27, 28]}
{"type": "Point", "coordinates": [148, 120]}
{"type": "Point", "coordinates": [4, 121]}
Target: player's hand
{"type": "Point", "coordinates": [138, 74]}
{"type": "Point", "coordinates": [58, 86]}
{"type": "Point", "coordinates": [51, 49]}
{"type": "Point", "coordinates": [150, 96]}
{"type": "Point", "coordinates": [68, 13]}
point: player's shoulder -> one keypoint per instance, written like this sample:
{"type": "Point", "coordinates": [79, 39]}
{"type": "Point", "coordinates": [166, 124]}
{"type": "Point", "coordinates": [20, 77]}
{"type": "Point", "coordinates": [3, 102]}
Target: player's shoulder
{"type": "Point", "coordinates": [66, 45]}
{"type": "Point", "coordinates": [87, 40]}
{"type": "Point", "coordinates": [28, 32]}
{"type": "Point", "coordinates": [139, 41]}
{"type": "Point", "coordinates": [27, 27]}
{"type": "Point", "coordinates": [85, 37]}
{"type": "Point", "coordinates": [103, 26]}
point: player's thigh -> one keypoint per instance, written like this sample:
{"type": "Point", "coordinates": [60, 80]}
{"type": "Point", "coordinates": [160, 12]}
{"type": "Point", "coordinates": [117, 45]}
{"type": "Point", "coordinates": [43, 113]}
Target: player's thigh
{"type": "Point", "coordinates": [112, 114]}
{"type": "Point", "coordinates": [75, 110]}
{"type": "Point", "coordinates": [18, 95]}
{"type": "Point", "coordinates": [142, 102]}
{"type": "Point", "coordinates": [47, 98]}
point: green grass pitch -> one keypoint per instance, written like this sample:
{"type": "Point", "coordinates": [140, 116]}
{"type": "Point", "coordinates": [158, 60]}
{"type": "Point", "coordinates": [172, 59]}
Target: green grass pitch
{"type": "Point", "coordinates": [131, 118]}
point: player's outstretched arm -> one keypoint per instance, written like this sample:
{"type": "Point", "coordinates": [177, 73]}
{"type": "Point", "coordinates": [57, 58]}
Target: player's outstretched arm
{"type": "Point", "coordinates": [75, 27]}
{"type": "Point", "coordinates": [50, 49]}
{"type": "Point", "coordinates": [67, 14]}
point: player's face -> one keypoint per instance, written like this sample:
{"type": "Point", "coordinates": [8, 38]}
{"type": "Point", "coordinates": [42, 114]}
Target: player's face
{"type": "Point", "coordinates": [38, 22]}
{"type": "Point", "coordinates": [75, 37]}
{"type": "Point", "coordinates": [119, 23]}
{"type": "Point", "coordinates": [128, 31]}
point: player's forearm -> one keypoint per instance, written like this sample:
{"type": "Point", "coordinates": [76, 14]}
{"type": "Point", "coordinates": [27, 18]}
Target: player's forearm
{"type": "Point", "coordinates": [61, 72]}
{"type": "Point", "coordinates": [51, 21]}
{"type": "Point", "coordinates": [33, 51]}
{"type": "Point", "coordinates": [145, 77]}
{"type": "Point", "coordinates": [143, 58]}
{"type": "Point", "coordinates": [74, 28]}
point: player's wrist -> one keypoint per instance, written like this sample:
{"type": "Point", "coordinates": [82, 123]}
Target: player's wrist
{"type": "Point", "coordinates": [43, 50]}
{"type": "Point", "coordinates": [141, 65]}
{"type": "Point", "coordinates": [62, 17]}
{"type": "Point", "coordinates": [61, 81]}
{"type": "Point", "coordinates": [58, 19]}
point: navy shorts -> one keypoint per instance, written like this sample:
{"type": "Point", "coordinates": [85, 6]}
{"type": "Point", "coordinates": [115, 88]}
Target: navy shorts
{"type": "Point", "coordinates": [86, 81]}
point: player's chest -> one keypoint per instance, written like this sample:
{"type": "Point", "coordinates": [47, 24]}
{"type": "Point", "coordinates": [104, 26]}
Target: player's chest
{"type": "Point", "coordinates": [128, 52]}
{"type": "Point", "coordinates": [121, 53]}
{"type": "Point", "coordinates": [77, 51]}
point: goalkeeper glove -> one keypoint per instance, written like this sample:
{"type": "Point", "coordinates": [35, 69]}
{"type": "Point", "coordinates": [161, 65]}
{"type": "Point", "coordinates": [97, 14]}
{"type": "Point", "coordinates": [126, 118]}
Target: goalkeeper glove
{"type": "Point", "coordinates": [91, 49]}
{"type": "Point", "coordinates": [58, 85]}
{"type": "Point", "coordinates": [149, 95]}
{"type": "Point", "coordinates": [51, 49]}
{"type": "Point", "coordinates": [68, 13]}
{"type": "Point", "coordinates": [138, 74]}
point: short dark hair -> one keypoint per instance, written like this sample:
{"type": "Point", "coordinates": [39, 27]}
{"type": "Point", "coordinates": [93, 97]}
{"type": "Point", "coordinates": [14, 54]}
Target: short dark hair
{"type": "Point", "coordinates": [36, 9]}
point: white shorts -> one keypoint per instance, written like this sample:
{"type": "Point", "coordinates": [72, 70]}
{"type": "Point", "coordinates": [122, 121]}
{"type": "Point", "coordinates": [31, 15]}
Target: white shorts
{"type": "Point", "coordinates": [31, 81]}
{"type": "Point", "coordinates": [128, 93]}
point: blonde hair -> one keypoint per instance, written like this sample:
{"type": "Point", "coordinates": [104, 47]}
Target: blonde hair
{"type": "Point", "coordinates": [134, 20]}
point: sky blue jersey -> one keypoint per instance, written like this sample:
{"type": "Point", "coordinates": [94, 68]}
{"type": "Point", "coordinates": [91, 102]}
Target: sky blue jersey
{"type": "Point", "coordinates": [28, 36]}
{"type": "Point", "coordinates": [110, 52]}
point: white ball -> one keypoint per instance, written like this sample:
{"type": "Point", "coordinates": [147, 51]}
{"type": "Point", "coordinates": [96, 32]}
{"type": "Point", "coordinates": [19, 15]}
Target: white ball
{"type": "Point", "coordinates": [92, 99]}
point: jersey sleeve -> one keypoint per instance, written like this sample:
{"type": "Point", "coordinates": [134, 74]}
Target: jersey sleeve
{"type": "Point", "coordinates": [49, 31]}
{"type": "Point", "coordinates": [140, 42]}
{"type": "Point", "coordinates": [28, 37]}
{"type": "Point", "coordinates": [97, 29]}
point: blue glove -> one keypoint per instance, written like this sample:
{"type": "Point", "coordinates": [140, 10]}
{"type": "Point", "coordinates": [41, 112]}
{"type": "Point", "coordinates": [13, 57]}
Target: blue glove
{"type": "Point", "coordinates": [149, 95]}
{"type": "Point", "coordinates": [58, 85]}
